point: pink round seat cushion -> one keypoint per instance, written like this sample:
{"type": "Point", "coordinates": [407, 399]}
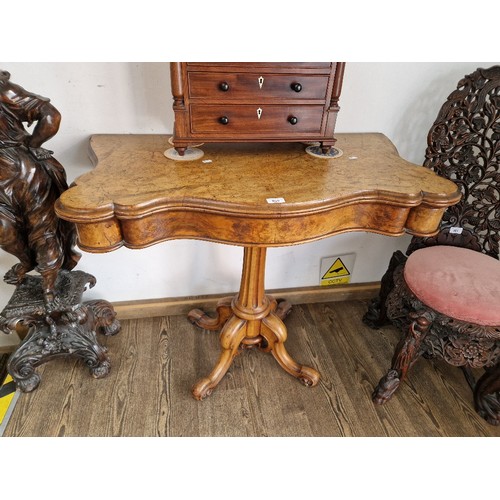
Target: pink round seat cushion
{"type": "Point", "coordinates": [460, 283]}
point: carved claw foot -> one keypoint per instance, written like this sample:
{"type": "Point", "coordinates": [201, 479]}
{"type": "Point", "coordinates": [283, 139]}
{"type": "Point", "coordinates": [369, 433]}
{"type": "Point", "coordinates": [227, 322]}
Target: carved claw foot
{"type": "Point", "coordinates": [15, 274]}
{"type": "Point", "coordinates": [104, 317]}
{"type": "Point", "coordinates": [488, 407]}
{"type": "Point", "coordinates": [374, 317]}
{"type": "Point", "coordinates": [386, 387]}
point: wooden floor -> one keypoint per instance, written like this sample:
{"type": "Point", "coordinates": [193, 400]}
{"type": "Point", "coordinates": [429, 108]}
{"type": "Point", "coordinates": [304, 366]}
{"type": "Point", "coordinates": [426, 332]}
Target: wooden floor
{"type": "Point", "coordinates": [155, 361]}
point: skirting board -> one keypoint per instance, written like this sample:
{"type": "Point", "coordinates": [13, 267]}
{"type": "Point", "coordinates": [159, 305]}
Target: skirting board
{"type": "Point", "coordinates": [136, 309]}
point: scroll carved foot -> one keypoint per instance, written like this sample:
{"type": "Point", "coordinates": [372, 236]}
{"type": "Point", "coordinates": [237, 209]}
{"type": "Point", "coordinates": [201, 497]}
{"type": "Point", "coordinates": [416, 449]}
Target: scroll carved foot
{"type": "Point", "coordinates": [283, 309]}
{"type": "Point", "coordinates": [274, 332]}
{"type": "Point", "coordinates": [223, 312]}
{"type": "Point", "coordinates": [268, 334]}
{"type": "Point", "coordinates": [251, 319]}
{"type": "Point", "coordinates": [231, 337]}
{"type": "Point", "coordinates": [45, 342]}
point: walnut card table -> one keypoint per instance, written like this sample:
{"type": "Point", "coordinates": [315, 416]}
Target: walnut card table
{"type": "Point", "coordinates": [255, 196]}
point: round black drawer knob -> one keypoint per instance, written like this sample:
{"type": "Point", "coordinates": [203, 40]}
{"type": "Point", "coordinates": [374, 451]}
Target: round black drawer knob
{"type": "Point", "coordinates": [224, 86]}
{"type": "Point", "coordinates": [293, 120]}
{"type": "Point", "coordinates": [224, 120]}
{"type": "Point", "coordinates": [297, 87]}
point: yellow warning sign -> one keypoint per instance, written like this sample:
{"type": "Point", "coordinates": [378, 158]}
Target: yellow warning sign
{"type": "Point", "coordinates": [337, 274]}
{"type": "Point", "coordinates": [336, 270]}
{"type": "Point", "coordinates": [7, 398]}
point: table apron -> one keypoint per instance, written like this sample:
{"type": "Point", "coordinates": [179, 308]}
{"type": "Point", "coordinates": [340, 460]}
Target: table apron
{"type": "Point", "coordinates": [257, 230]}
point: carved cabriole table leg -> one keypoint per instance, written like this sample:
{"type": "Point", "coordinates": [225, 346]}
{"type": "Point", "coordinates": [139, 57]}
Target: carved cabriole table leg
{"type": "Point", "coordinates": [251, 319]}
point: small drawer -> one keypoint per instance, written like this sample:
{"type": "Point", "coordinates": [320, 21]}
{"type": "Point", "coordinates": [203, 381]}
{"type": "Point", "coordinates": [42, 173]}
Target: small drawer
{"type": "Point", "coordinates": [256, 87]}
{"type": "Point", "coordinates": [254, 120]}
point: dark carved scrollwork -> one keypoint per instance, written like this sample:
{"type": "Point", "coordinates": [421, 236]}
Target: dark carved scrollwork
{"type": "Point", "coordinates": [69, 331]}
{"type": "Point", "coordinates": [463, 145]}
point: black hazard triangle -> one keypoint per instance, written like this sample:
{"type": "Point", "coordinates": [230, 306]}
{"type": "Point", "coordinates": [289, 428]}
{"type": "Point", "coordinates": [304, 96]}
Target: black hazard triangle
{"type": "Point", "coordinates": [336, 270]}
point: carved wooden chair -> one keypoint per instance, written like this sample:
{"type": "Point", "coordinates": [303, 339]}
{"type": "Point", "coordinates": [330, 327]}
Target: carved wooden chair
{"type": "Point", "coordinates": [444, 294]}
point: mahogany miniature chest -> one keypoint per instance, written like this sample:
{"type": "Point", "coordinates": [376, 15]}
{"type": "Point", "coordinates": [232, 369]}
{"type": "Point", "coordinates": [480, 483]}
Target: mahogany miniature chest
{"type": "Point", "coordinates": [255, 102]}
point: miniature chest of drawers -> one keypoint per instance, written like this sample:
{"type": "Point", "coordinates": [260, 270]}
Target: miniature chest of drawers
{"type": "Point", "coordinates": [255, 102]}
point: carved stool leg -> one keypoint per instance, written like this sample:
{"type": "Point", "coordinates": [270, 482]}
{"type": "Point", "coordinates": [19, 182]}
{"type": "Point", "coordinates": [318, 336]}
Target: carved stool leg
{"type": "Point", "coordinates": [406, 354]}
{"type": "Point", "coordinates": [376, 316]}
{"type": "Point", "coordinates": [487, 395]}
{"type": "Point", "coordinates": [251, 319]}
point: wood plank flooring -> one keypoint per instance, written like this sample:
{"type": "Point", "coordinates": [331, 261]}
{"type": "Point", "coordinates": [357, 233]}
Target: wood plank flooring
{"type": "Point", "coordinates": [155, 361]}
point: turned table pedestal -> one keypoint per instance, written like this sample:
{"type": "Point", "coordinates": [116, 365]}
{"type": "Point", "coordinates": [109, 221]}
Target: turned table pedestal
{"type": "Point", "coordinates": [255, 196]}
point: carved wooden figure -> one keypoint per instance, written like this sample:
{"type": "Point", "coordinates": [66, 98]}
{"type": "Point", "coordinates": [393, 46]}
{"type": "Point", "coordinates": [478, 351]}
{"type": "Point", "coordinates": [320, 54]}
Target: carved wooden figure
{"type": "Point", "coordinates": [31, 180]}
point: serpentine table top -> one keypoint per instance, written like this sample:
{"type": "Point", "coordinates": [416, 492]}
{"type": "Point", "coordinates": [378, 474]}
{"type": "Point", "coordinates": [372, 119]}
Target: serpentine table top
{"type": "Point", "coordinates": [137, 197]}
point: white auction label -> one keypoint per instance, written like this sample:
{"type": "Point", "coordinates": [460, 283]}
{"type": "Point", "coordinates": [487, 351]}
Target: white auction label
{"type": "Point", "coordinates": [275, 200]}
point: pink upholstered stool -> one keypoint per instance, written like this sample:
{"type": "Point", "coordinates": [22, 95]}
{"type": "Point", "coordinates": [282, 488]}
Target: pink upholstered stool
{"type": "Point", "coordinates": [446, 301]}
{"type": "Point", "coordinates": [443, 293]}
{"type": "Point", "coordinates": [460, 283]}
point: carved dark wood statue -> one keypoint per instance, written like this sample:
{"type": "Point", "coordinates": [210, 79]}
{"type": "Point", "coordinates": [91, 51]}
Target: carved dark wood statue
{"type": "Point", "coordinates": [45, 310]}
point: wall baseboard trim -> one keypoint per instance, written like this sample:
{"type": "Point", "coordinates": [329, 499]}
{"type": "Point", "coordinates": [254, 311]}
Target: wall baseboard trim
{"type": "Point", "coordinates": [136, 309]}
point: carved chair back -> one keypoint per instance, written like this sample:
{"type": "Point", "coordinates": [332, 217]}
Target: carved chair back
{"type": "Point", "coordinates": [463, 145]}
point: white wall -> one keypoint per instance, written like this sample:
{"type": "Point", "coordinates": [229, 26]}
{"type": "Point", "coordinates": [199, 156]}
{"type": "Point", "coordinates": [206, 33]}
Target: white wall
{"type": "Point", "coordinates": [400, 100]}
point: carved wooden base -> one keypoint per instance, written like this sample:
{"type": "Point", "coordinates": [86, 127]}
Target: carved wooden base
{"type": "Point", "coordinates": [428, 333]}
{"type": "Point", "coordinates": [67, 330]}
{"type": "Point", "coordinates": [376, 316]}
{"type": "Point", "coordinates": [251, 319]}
